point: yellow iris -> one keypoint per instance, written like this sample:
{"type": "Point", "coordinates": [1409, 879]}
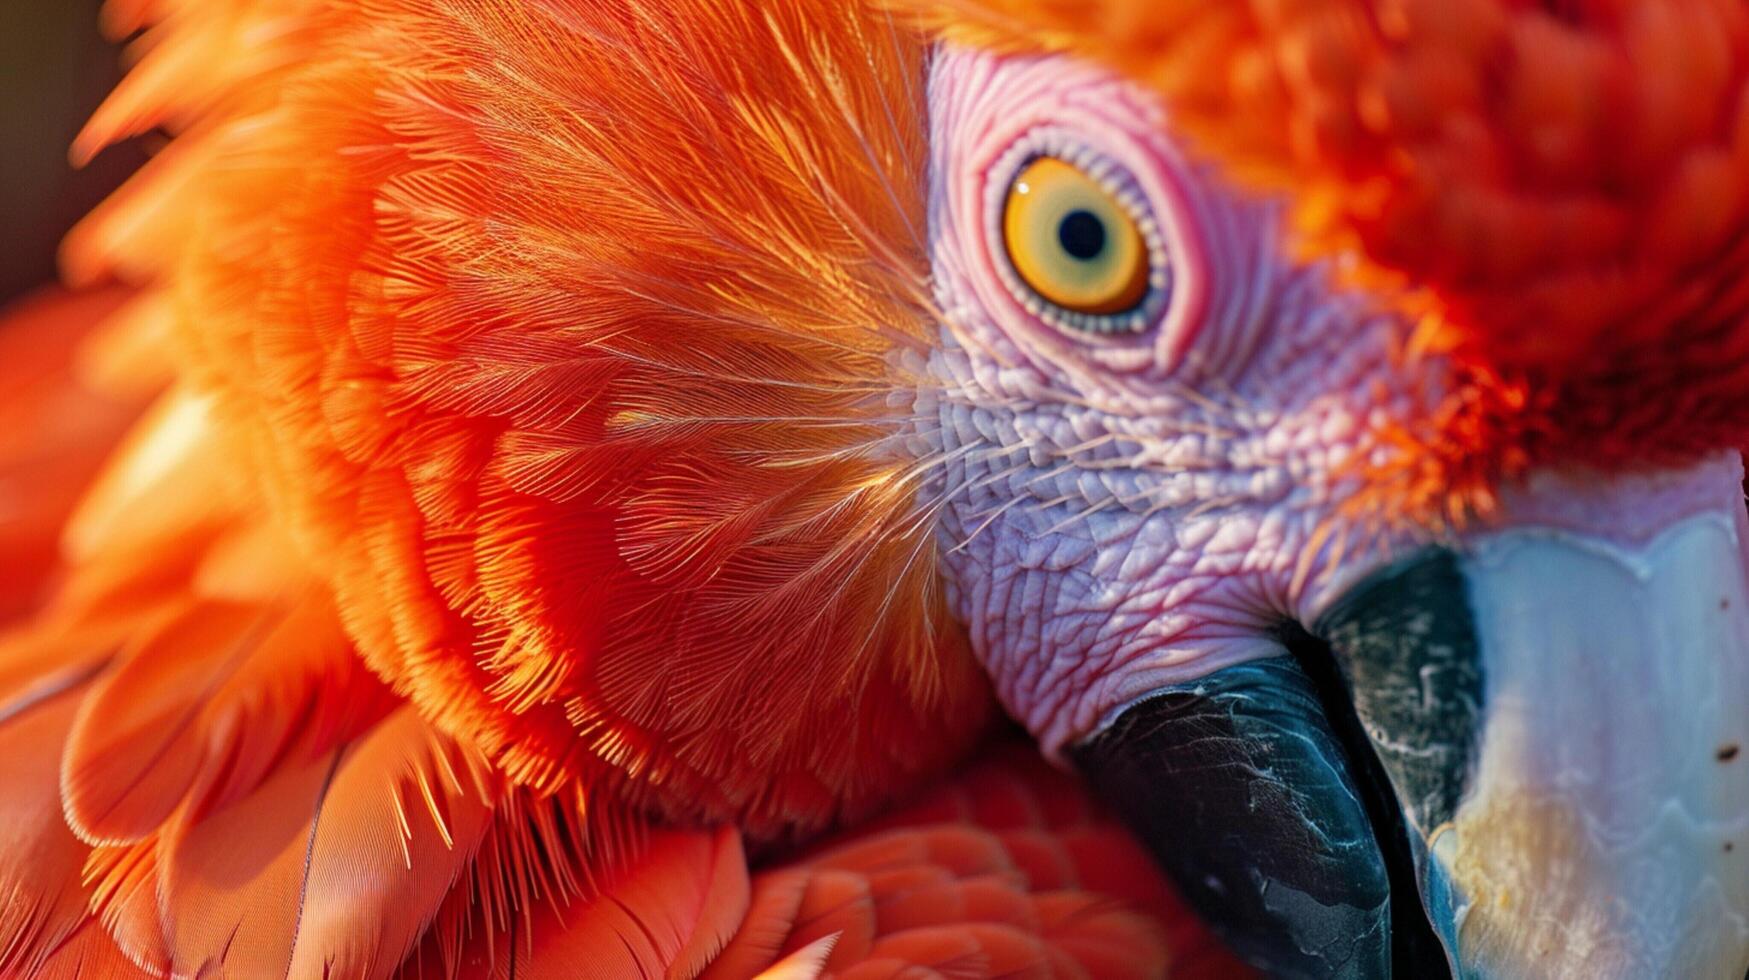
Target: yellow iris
{"type": "Point", "coordinates": [1072, 242]}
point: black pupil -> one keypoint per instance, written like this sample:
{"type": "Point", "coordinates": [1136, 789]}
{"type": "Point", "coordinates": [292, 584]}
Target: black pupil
{"type": "Point", "coordinates": [1082, 235]}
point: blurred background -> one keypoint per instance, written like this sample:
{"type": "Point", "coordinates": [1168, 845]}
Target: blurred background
{"type": "Point", "coordinates": [54, 69]}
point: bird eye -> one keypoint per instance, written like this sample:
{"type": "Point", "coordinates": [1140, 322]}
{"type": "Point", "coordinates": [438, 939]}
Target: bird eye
{"type": "Point", "coordinates": [1079, 244]}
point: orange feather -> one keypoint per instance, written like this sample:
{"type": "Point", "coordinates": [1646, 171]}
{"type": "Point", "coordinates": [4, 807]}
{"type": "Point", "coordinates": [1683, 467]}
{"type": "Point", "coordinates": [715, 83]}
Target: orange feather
{"type": "Point", "coordinates": [88, 955]}
{"type": "Point", "coordinates": [41, 900]}
{"type": "Point", "coordinates": [56, 426]}
{"type": "Point", "coordinates": [666, 912]}
{"type": "Point", "coordinates": [208, 705]}
{"type": "Point", "coordinates": [807, 963]}
{"type": "Point", "coordinates": [335, 867]}
{"type": "Point", "coordinates": [1006, 871]}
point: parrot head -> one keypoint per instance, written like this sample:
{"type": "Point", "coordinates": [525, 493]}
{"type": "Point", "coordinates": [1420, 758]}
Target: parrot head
{"type": "Point", "coordinates": [1315, 422]}
{"type": "Point", "coordinates": [1340, 401]}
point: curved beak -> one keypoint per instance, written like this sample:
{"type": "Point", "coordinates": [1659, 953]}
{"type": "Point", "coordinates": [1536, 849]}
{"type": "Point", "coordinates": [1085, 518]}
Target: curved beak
{"type": "Point", "coordinates": [1526, 755]}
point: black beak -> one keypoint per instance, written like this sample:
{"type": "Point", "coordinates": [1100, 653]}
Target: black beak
{"type": "Point", "coordinates": [1263, 798]}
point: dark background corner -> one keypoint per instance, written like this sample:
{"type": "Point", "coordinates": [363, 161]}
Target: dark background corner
{"type": "Point", "coordinates": [55, 67]}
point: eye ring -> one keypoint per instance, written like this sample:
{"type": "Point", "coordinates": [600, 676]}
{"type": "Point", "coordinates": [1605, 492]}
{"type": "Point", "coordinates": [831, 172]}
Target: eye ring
{"type": "Point", "coordinates": [1118, 288]}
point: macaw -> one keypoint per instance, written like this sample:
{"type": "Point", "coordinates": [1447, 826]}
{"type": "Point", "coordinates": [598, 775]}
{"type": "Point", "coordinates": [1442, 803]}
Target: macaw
{"type": "Point", "coordinates": [553, 488]}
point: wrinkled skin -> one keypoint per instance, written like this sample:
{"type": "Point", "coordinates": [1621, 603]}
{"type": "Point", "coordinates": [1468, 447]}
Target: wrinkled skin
{"type": "Point", "coordinates": [1130, 513]}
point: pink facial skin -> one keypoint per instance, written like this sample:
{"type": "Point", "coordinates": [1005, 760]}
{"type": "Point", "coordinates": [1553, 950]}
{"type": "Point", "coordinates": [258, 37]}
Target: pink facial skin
{"type": "Point", "coordinates": [1124, 512]}
{"type": "Point", "coordinates": [1127, 512]}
